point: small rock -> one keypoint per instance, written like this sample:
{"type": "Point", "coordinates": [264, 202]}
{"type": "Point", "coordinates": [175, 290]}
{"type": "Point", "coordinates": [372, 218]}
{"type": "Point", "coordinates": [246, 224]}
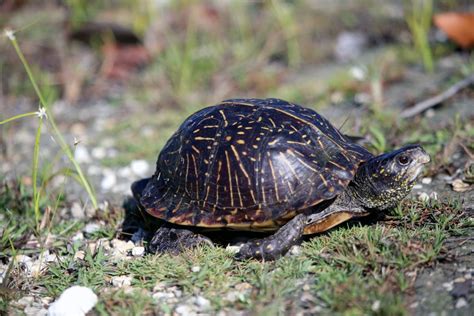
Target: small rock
{"type": "Point", "coordinates": [138, 251]}
{"type": "Point", "coordinates": [461, 303]}
{"type": "Point", "coordinates": [109, 180]}
{"type": "Point", "coordinates": [459, 280]}
{"type": "Point", "coordinates": [460, 186]}
{"type": "Point", "coordinates": [76, 300]}
{"type": "Point", "coordinates": [77, 211]}
{"type": "Point", "coordinates": [122, 281]}
{"type": "Point", "coordinates": [80, 254]}
{"type": "Point", "coordinates": [430, 113]}
{"type": "Point", "coordinates": [23, 259]}
{"type": "Point", "coordinates": [121, 248]}
{"type": "Point", "coordinates": [295, 250]}
{"type": "Point", "coordinates": [362, 98]}
{"type": "Point", "coordinates": [242, 287]}
{"type": "Point", "coordinates": [81, 154]}
{"type": "Point", "coordinates": [125, 172]}
{"type": "Point", "coordinates": [233, 249]}
{"type": "Point", "coordinates": [77, 237]}
{"type": "Point", "coordinates": [91, 228]}
{"type": "Point", "coordinates": [99, 152]}
{"type": "Point", "coordinates": [25, 301]}
{"type": "Point", "coordinates": [426, 180]}
{"type": "Point", "coordinates": [185, 310]}
{"type": "Point", "coordinates": [376, 306]}
{"type": "Point", "coordinates": [434, 196]}
{"type": "Point", "coordinates": [94, 170]}
{"type": "Point", "coordinates": [196, 269]}
{"type": "Point", "coordinates": [163, 296]}
{"type": "Point", "coordinates": [417, 186]}
{"type": "Point", "coordinates": [448, 286]}
{"type": "Point", "coordinates": [423, 197]}
{"type": "Point", "coordinates": [139, 167]}
{"type": "Point", "coordinates": [202, 302]}
{"type": "Point", "coordinates": [359, 73]}
{"type": "Point", "coordinates": [349, 45]}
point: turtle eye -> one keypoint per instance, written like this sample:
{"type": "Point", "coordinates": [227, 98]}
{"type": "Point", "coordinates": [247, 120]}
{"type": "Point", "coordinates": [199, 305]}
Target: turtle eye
{"type": "Point", "coordinates": [403, 160]}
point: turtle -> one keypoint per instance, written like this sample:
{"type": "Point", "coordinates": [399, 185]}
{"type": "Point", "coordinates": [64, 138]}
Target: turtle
{"type": "Point", "coordinates": [267, 165]}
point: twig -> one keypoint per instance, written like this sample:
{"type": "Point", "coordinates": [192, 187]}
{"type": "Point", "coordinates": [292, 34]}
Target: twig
{"type": "Point", "coordinates": [425, 105]}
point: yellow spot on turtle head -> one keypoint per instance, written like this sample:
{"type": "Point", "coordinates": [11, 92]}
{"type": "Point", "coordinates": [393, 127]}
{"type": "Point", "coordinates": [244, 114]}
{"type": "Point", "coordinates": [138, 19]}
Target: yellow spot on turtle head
{"type": "Point", "coordinates": [227, 138]}
{"type": "Point", "coordinates": [240, 141]}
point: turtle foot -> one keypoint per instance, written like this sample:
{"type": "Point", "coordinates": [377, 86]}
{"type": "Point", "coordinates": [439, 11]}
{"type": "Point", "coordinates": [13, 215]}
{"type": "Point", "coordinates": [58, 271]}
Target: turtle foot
{"type": "Point", "coordinates": [276, 245]}
{"type": "Point", "coordinates": [175, 240]}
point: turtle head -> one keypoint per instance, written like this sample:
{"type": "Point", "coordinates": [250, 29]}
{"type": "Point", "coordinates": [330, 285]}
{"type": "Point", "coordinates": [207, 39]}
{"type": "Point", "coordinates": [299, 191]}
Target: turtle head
{"type": "Point", "coordinates": [383, 181]}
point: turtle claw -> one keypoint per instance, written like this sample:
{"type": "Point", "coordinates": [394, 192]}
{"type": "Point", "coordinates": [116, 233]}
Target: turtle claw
{"type": "Point", "coordinates": [175, 240]}
{"type": "Point", "coordinates": [276, 245]}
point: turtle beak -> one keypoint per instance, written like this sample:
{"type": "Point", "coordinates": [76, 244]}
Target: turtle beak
{"type": "Point", "coordinates": [422, 156]}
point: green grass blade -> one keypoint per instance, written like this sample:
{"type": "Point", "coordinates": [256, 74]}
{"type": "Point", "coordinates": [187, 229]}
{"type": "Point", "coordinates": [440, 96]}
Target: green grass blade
{"type": "Point", "coordinates": [62, 143]}
{"type": "Point", "coordinates": [16, 117]}
{"type": "Point", "coordinates": [36, 195]}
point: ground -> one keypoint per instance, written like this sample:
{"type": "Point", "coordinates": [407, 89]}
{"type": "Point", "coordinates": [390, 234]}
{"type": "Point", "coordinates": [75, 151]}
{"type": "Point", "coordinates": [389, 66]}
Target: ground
{"type": "Point", "coordinates": [116, 106]}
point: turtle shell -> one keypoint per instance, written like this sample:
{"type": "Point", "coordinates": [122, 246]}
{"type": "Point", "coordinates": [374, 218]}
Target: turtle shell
{"type": "Point", "coordinates": [250, 164]}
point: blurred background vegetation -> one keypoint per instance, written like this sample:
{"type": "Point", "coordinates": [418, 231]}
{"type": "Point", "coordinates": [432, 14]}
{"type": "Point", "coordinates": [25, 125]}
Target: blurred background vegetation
{"type": "Point", "coordinates": [122, 70]}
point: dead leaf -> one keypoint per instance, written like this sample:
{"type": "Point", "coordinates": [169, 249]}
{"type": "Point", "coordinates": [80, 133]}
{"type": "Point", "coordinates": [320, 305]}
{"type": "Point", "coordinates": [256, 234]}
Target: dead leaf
{"type": "Point", "coordinates": [458, 26]}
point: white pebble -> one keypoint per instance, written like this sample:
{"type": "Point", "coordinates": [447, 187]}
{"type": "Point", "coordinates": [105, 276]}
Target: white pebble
{"type": "Point", "coordinates": [109, 180]}
{"type": "Point", "coordinates": [77, 211]}
{"type": "Point", "coordinates": [376, 306]}
{"type": "Point", "coordinates": [98, 152]}
{"type": "Point", "coordinates": [196, 269]}
{"type": "Point", "coordinates": [81, 154]}
{"type": "Point", "coordinates": [417, 187]}
{"type": "Point", "coordinates": [233, 249]}
{"type": "Point", "coordinates": [139, 167]}
{"type": "Point", "coordinates": [75, 301]}
{"type": "Point", "coordinates": [77, 237]}
{"type": "Point", "coordinates": [94, 170]}
{"type": "Point", "coordinates": [162, 296]}
{"type": "Point", "coordinates": [203, 302]}
{"type": "Point", "coordinates": [434, 196]}
{"type": "Point", "coordinates": [122, 246]}
{"type": "Point", "coordinates": [426, 180]}
{"type": "Point", "coordinates": [138, 251]}
{"type": "Point", "coordinates": [91, 228]}
{"type": "Point", "coordinates": [184, 310]}
{"type": "Point", "coordinates": [295, 250]}
{"type": "Point", "coordinates": [461, 303]}
{"type": "Point", "coordinates": [124, 172]}
{"type": "Point", "coordinates": [423, 197]}
{"type": "Point", "coordinates": [121, 281]}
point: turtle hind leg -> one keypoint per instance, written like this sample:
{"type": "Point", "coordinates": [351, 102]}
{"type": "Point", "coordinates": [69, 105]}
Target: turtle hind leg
{"type": "Point", "coordinates": [169, 239]}
{"type": "Point", "coordinates": [276, 245]}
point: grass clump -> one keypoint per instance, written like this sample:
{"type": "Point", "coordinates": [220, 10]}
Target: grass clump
{"type": "Point", "coordinates": [418, 15]}
{"type": "Point", "coordinates": [44, 114]}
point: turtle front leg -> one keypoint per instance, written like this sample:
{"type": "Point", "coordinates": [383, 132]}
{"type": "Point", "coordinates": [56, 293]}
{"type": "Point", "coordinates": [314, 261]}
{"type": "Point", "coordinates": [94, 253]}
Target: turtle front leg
{"type": "Point", "coordinates": [276, 245]}
{"type": "Point", "coordinates": [168, 239]}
